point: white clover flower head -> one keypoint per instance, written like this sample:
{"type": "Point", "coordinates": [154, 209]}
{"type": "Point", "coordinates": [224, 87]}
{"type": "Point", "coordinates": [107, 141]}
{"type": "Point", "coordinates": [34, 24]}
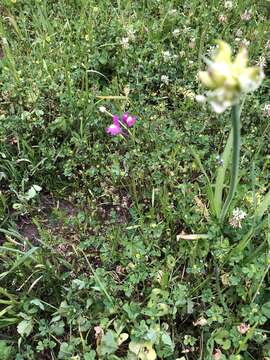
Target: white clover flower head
{"type": "Point", "coordinates": [222, 18]}
{"type": "Point", "coordinates": [176, 33]}
{"type": "Point", "coordinates": [237, 216]}
{"type": "Point", "coordinates": [247, 14]}
{"type": "Point", "coordinates": [131, 34]}
{"type": "Point", "coordinates": [166, 56]}
{"type": "Point", "coordinates": [266, 110]}
{"type": "Point", "coordinates": [240, 214]}
{"type": "Point", "coordinates": [227, 80]}
{"type": "Point", "coordinates": [239, 33]}
{"type": "Point", "coordinates": [211, 51]}
{"type": "Point", "coordinates": [245, 42]}
{"type": "Point", "coordinates": [243, 328]}
{"type": "Point", "coordinates": [165, 79]}
{"type": "Point", "coordinates": [125, 42]}
{"type": "Point", "coordinates": [228, 5]}
{"type": "Point", "coordinates": [261, 62]}
{"type": "Point", "coordinates": [102, 109]}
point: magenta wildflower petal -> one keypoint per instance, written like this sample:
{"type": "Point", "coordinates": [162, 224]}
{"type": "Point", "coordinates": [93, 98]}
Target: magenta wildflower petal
{"type": "Point", "coordinates": [125, 117]}
{"type": "Point", "coordinates": [130, 121]}
{"type": "Point", "coordinates": [115, 128]}
{"type": "Point", "coordinates": [116, 120]}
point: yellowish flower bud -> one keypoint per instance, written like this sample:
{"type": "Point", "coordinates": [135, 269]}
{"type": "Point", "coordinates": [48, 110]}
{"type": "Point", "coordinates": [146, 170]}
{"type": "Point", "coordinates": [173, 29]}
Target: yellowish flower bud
{"type": "Point", "coordinates": [224, 54]}
{"type": "Point", "coordinates": [227, 80]}
{"type": "Point", "coordinates": [206, 80]}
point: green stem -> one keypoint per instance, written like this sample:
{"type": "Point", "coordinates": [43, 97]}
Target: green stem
{"type": "Point", "coordinates": [235, 160]}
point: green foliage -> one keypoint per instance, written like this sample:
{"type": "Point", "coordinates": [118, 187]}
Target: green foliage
{"type": "Point", "coordinates": [110, 247]}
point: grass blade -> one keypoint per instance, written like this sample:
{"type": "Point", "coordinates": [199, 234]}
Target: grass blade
{"type": "Point", "coordinates": [208, 182]}
{"type": "Point", "coordinates": [20, 261]}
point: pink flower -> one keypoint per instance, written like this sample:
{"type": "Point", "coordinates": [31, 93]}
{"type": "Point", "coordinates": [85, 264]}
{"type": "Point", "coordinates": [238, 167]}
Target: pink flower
{"type": "Point", "coordinates": [115, 128]}
{"type": "Point", "coordinates": [243, 328]}
{"type": "Point", "coordinates": [217, 354]}
{"type": "Point", "coordinates": [128, 120]}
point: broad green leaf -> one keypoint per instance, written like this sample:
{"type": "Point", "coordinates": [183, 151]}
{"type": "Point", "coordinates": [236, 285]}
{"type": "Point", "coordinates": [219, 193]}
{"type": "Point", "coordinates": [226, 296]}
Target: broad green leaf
{"type": "Point", "coordinates": [239, 248]}
{"type": "Point", "coordinates": [38, 303]}
{"type": "Point", "coordinates": [5, 350]}
{"type": "Point", "coordinates": [33, 191]}
{"type": "Point", "coordinates": [66, 351]}
{"type": "Point", "coordinates": [134, 347]}
{"type": "Point", "coordinates": [58, 328]}
{"type": "Point", "coordinates": [108, 343]}
{"type": "Point", "coordinates": [166, 339]}
{"type": "Point", "coordinates": [90, 355]}
{"type": "Point", "coordinates": [266, 309]}
{"type": "Point", "coordinates": [25, 327]}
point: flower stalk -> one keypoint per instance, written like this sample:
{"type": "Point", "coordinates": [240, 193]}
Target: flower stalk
{"type": "Point", "coordinates": [235, 160]}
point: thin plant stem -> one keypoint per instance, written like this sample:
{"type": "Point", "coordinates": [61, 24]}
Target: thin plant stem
{"type": "Point", "coordinates": [235, 160]}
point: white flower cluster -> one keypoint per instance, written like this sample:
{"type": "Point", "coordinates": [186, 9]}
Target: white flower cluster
{"type": "Point", "coordinates": [266, 110]}
{"type": "Point", "coordinates": [247, 14]}
{"type": "Point", "coordinates": [238, 216]}
{"type": "Point", "coordinates": [167, 56]}
{"type": "Point", "coordinates": [165, 79]}
{"type": "Point", "coordinates": [125, 41]}
{"type": "Point", "coordinates": [228, 5]}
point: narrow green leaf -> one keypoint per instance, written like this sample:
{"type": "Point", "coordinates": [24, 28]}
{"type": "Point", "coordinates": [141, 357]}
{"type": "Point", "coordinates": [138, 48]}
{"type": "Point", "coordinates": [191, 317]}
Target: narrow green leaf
{"type": "Point", "coordinates": [259, 212]}
{"type": "Point", "coordinates": [221, 174]}
{"type": "Point", "coordinates": [7, 322]}
{"type": "Point", "coordinates": [20, 261]}
{"type": "Point", "coordinates": [240, 247]}
{"type": "Point", "coordinates": [208, 182]}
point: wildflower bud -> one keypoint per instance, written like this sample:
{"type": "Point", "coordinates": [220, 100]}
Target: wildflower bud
{"type": "Point", "coordinates": [227, 80]}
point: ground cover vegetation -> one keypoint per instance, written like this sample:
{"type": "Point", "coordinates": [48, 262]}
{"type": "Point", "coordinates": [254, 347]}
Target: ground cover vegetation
{"type": "Point", "coordinates": [114, 240]}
